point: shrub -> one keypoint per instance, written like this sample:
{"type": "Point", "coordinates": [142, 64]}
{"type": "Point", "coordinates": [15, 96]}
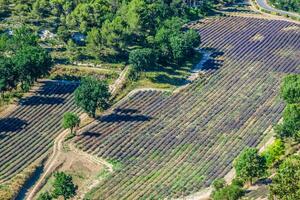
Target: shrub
{"type": "Point", "coordinates": [274, 152]}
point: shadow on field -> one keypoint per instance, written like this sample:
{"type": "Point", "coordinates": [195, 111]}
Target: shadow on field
{"type": "Point", "coordinates": [126, 111]}
{"type": "Point", "coordinates": [114, 117]}
{"type": "Point", "coordinates": [90, 134]}
{"type": "Point", "coordinates": [40, 100]}
{"type": "Point", "coordinates": [11, 125]}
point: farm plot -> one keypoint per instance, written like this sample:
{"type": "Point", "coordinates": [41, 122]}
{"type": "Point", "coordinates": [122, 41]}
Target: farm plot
{"type": "Point", "coordinates": [172, 146]}
{"type": "Point", "coordinates": [27, 132]}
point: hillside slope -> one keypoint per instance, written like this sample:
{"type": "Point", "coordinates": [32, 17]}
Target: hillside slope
{"type": "Point", "coordinates": [175, 145]}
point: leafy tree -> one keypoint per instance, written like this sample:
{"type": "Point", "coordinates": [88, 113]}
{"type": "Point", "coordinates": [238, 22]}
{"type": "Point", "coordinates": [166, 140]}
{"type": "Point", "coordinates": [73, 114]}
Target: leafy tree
{"type": "Point", "coordinates": [71, 121]}
{"type": "Point", "coordinates": [290, 125]}
{"type": "Point", "coordinates": [63, 186]}
{"type": "Point", "coordinates": [249, 164]}
{"type": "Point", "coordinates": [45, 196]}
{"type": "Point", "coordinates": [290, 89]}
{"type": "Point", "coordinates": [114, 35]}
{"type": "Point", "coordinates": [31, 62]}
{"type": "Point", "coordinates": [274, 152]}
{"type": "Point", "coordinates": [92, 94]}
{"type": "Point", "coordinates": [286, 183]}
{"type": "Point", "coordinates": [95, 42]}
{"type": "Point", "coordinates": [142, 58]}
{"type": "Point", "coordinates": [8, 77]}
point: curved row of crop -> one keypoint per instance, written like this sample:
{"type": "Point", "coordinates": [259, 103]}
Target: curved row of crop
{"type": "Point", "coordinates": [27, 132]}
{"type": "Point", "coordinates": [175, 145]}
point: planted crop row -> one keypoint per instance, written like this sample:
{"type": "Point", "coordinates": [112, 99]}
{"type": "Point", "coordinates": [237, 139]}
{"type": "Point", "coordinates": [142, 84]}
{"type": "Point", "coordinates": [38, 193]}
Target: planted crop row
{"type": "Point", "coordinates": [175, 145]}
{"type": "Point", "coordinates": [27, 132]}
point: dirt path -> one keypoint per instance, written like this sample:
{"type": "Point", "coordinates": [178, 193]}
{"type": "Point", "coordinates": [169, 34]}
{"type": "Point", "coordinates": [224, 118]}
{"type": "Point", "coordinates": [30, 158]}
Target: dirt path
{"type": "Point", "coordinates": [58, 147]}
{"type": "Point", "coordinates": [119, 82]}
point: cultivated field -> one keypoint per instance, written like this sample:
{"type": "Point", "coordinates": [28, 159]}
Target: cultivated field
{"type": "Point", "coordinates": [175, 145]}
{"type": "Point", "coordinates": [27, 131]}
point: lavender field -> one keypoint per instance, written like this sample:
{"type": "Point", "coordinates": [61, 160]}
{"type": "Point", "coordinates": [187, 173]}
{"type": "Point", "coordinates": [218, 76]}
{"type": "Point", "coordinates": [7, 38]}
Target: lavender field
{"type": "Point", "coordinates": [174, 145]}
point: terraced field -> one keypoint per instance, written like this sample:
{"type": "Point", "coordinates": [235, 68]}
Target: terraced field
{"type": "Point", "coordinates": [27, 131]}
{"type": "Point", "coordinates": [174, 145]}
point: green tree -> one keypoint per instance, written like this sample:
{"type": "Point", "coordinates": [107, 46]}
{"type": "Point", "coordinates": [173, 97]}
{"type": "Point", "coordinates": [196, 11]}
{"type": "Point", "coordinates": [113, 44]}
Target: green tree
{"type": "Point", "coordinates": [63, 186]}
{"type": "Point", "coordinates": [70, 121]}
{"type": "Point", "coordinates": [290, 126]}
{"type": "Point", "coordinates": [286, 183]}
{"type": "Point", "coordinates": [45, 196]}
{"type": "Point", "coordinates": [274, 152]}
{"type": "Point", "coordinates": [92, 94]}
{"type": "Point", "coordinates": [290, 89]}
{"type": "Point", "coordinates": [31, 62]}
{"type": "Point", "coordinates": [249, 164]}
{"type": "Point", "coordinates": [142, 59]}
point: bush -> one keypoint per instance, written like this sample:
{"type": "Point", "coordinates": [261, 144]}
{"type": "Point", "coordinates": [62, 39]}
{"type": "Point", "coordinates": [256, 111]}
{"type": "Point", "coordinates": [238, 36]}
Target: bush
{"type": "Point", "coordinates": [274, 152]}
{"type": "Point", "coordinates": [142, 59]}
{"type": "Point", "coordinates": [227, 192]}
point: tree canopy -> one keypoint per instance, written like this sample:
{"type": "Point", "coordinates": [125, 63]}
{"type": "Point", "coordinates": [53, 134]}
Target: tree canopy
{"type": "Point", "coordinates": [63, 186]}
{"type": "Point", "coordinates": [249, 164]}
{"type": "Point", "coordinates": [92, 94]}
{"type": "Point", "coordinates": [286, 183]}
{"type": "Point", "coordinates": [70, 120]}
{"type": "Point", "coordinates": [22, 60]}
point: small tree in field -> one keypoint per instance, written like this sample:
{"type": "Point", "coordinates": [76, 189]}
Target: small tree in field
{"type": "Point", "coordinates": [92, 94]}
{"type": "Point", "coordinates": [63, 186]}
{"type": "Point", "coordinates": [249, 164]}
{"type": "Point", "coordinates": [71, 121]}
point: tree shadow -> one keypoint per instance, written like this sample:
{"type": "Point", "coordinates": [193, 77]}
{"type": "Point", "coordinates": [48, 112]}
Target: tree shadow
{"type": "Point", "coordinates": [41, 100]}
{"type": "Point", "coordinates": [90, 134]}
{"type": "Point", "coordinates": [164, 79]}
{"type": "Point", "coordinates": [125, 111]}
{"type": "Point", "coordinates": [58, 88]}
{"type": "Point", "coordinates": [11, 125]}
{"type": "Point", "coordinates": [114, 117]}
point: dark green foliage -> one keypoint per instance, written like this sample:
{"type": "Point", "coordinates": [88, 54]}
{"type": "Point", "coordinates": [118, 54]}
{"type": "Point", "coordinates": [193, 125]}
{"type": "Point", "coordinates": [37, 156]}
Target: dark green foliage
{"type": "Point", "coordinates": [227, 192]}
{"type": "Point", "coordinates": [249, 164]}
{"type": "Point", "coordinates": [290, 89]}
{"type": "Point", "coordinates": [286, 183]}
{"type": "Point", "coordinates": [142, 59]}
{"type": "Point", "coordinates": [22, 59]}
{"type": "Point", "coordinates": [70, 120]}
{"type": "Point", "coordinates": [31, 62]}
{"type": "Point", "coordinates": [92, 94]}
{"type": "Point", "coordinates": [290, 125]}
{"type": "Point", "coordinates": [45, 196]}
{"type": "Point", "coordinates": [63, 186]}
{"type": "Point", "coordinates": [218, 184]}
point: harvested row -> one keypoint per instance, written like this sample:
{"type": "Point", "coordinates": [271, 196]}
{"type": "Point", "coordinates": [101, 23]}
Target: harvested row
{"type": "Point", "coordinates": [190, 138]}
{"type": "Point", "coordinates": [27, 132]}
